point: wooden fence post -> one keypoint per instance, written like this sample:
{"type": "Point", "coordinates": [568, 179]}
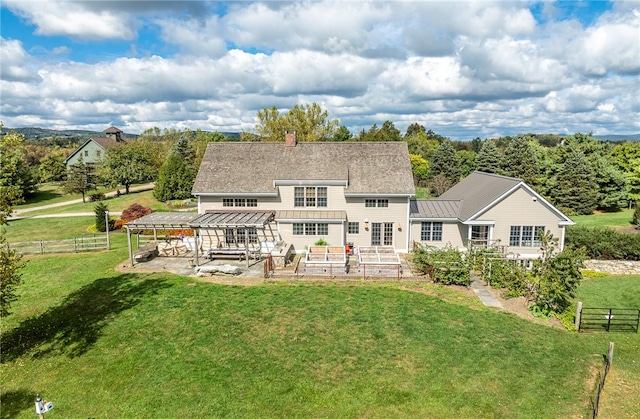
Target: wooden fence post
{"type": "Point", "coordinates": [610, 354]}
{"type": "Point", "coordinates": [106, 216]}
{"type": "Point", "coordinates": [578, 315]}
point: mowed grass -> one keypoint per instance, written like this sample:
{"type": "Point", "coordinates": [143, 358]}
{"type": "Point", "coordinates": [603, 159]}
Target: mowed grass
{"type": "Point", "coordinates": [105, 344]}
{"type": "Point", "coordinates": [617, 219]}
{"type": "Point", "coordinates": [33, 229]}
{"type": "Point", "coordinates": [621, 398]}
{"type": "Point", "coordinates": [118, 204]}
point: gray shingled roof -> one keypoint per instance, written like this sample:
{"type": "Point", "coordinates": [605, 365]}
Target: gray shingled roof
{"type": "Point", "coordinates": [369, 167]}
{"type": "Point", "coordinates": [478, 190]}
{"type": "Point", "coordinates": [106, 142]}
{"type": "Point", "coordinates": [434, 208]}
{"type": "Point", "coordinates": [112, 130]}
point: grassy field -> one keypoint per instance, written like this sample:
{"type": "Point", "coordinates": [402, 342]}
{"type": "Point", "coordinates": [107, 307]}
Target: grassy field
{"type": "Point", "coordinates": [104, 344]}
{"type": "Point", "coordinates": [120, 203]}
{"type": "Point", "coordinates": [618, 219]}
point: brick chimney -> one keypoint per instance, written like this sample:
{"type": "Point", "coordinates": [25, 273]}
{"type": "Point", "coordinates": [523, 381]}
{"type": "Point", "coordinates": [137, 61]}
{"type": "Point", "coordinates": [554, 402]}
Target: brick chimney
{"type": "Point", "coordinates": [290, 139]}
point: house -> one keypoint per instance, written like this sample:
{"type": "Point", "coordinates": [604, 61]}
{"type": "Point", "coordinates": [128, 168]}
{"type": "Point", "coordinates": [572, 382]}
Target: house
{"type": "Point", "coordinates": [486, 209]}
{"type": "Point", "coordinates": [362, 193]}
{"type": "Point", "coordinates": [94, 149]}
{"type": "Point", "coordinates": [351, 192]}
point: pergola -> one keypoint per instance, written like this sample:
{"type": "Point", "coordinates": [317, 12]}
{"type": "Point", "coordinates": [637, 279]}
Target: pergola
{"type": "Point", "coordinates": [215, 221]}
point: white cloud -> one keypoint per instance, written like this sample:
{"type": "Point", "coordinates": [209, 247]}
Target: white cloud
{"type": "Point", "coordinates": [463, 69]}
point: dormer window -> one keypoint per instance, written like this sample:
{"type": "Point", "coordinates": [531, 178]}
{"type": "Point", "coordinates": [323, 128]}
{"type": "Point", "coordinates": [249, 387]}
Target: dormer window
{"type": "Point", "coordinates": [310, 196]}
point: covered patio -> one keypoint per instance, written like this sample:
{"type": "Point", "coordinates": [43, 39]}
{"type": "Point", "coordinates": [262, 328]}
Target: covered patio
{"type": "Point", "coordinates": [241, 234]}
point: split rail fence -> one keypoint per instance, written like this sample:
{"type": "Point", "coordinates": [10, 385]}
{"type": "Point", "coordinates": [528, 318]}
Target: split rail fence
{"type": "Point", "coordinates": [75, 245]}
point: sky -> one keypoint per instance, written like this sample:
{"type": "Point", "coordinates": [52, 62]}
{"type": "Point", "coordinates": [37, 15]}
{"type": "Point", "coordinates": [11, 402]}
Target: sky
{"type": "Point", "coordinates": [461, 69]}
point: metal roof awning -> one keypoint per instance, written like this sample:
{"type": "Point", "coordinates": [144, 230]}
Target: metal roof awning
{"type": "Point", "coordinates": [162, 220]}
{"type": "Point", "coordinates": [231, 219]}
{"type": "Point", "coordinates": [213, 219]}
{"type": "Point", "coordinates": [300, 215]}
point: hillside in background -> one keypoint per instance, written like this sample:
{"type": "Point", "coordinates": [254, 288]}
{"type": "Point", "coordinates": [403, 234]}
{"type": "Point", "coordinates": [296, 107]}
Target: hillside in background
{"type": "Point", "coordinates": [44, 133]}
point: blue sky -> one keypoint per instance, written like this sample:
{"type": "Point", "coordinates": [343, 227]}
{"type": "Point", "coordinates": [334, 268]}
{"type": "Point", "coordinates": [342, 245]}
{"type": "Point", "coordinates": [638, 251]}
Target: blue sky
{"type": "Point", "coordinates": [463, 69]}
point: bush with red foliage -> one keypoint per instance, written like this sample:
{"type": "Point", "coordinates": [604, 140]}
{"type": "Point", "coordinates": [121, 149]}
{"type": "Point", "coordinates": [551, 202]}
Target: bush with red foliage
{"type": "Point", "coordinates": [134, 212]}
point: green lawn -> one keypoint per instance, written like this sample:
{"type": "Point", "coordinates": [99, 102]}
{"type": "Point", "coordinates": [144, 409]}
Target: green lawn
{"type": "Point", "coordinates": [104, 344]}
{"type": "Point", "coordinates": [121, 203]}
{"type": "Point", "coordinates": [618, 219]}
{"type": "Point", "coordinates": [51, 193]}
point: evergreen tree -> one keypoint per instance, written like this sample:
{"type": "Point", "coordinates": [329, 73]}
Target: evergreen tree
{"type": "Point", "coordinates": [488, 158]}
{"type": "Point", "coordinates": [445, 162]}
{"type": "Point", "coordinates": [177, 174]}
{"type": "Point", "coordinates": [636, 215]}
{"type": "Point", "coordinates": [519, 160]}
{"type": "Point", "coordinates": [101, 210]}
{"type": "Point", "coordinates": [576, 187]}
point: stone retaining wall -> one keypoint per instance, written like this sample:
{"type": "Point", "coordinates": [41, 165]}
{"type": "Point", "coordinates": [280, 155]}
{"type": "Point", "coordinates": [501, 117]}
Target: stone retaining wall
{"type": "Point", "coordinates": [614, 267]}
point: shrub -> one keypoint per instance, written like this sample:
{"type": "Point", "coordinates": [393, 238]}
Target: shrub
{"type": "Point", "coordinates": [95, 197]}
{"type": "Point", "coordinates": [101, 222]}
{"type": "Point", "coordinates": [321, 242]}
{"type": "Point", "coordinates": [447, 266]}
{"type": "Point", "coordinates": [134, 212]}
{"type": "Point", "coordinates": [636, 216]}
{"type": "Point", "coordinates": [604, 243]}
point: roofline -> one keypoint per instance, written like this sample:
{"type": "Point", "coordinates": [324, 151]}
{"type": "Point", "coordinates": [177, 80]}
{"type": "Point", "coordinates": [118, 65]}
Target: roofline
{"type": "Point", "coordinates": [566, 223]}
{"type": "Point", "coordinates": [520, 183]}
{"type": "Point", "coordinates": [310, 182]}
{"type": "Point", "coordinates": [77, 150]}
{"type": "Point", "coordinates": [377, 194]}
{"type": "Point", "coordinates": [234, 194]}
{"type": "Point", "coordinates": [433, 219]}
{"type": "Point", "coordinates": [311, 220]}
{"type": "Point", "coordinates": [479, 223]}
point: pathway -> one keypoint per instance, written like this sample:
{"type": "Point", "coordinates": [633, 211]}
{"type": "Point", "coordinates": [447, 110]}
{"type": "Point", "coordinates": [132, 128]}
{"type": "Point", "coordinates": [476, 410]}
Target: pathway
{"type": "Point", "coordinates": [17, 214]}
{"type": "Point", "coordinates": [483, 292]}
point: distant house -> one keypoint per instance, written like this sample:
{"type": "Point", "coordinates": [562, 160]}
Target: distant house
{"type": "Point", "coordinates": [363, 193]}
{"type": "Point", "coordinates": [486, 209]}
{"type": "Point", "coordinates": [93, 150]}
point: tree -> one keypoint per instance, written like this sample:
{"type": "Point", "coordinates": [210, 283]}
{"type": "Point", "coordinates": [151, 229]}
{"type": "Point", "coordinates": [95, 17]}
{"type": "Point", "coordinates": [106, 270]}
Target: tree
{"type": "Point", "coordinates": [421, 145]}
{"type": "Point", "coordinates": [519, 161]}
{"type": "Point", "coordinates": [342, 134]}
{"type": "Point", "coordinates": [419, 168]}
{"type": "Point", "coordinates": [310, 123]}
{"type": "Point", "coordinates": [445, 162]}
{"type": "Point", "coordinates": [575, 188]}
{"type": "Point", "coordinates": [388, 132]}
{"type": "Point", "coordinates": [636, 215]}
{"type": "Point", "coordinates": [10, 276]}
{"type": "Point", "coordinates": [467, 162]}
{"type": "Point", "coordinates": [15, 173]}
{"type": "Point", "coordinates": [177, 174]}
{"type": "Point", "coordinates": [101, 216]}
{"type": "Point", "coordinates": [79, 179]}
{"type": "Point", "coordinates": [414, 129]}
{"type": "Point", "coordinates": [52, 167]}
{"type": "Point", "coordinates": [627, 159]}
{"type": "Point", "coordinates": [136, 161]}
{"type": "Point", "coordinates": [488, 158]}
{"type": "Point", "coordinates": [10, 261]}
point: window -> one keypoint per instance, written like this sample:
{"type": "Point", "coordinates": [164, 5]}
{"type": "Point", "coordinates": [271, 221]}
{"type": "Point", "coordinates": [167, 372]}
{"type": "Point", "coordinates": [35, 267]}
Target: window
{"type": "Point", "coordinates": [372, 203]}
{"type": "Point", "coordinates": [86, 153]}
{"type": "Point", "coordinates": [353, 227]}
{"type": "Point", "coordinates": [310, 229]}
{"type": "Point", "coordinates": [480, 235]}
{"type": "Point", "coordinates": [250, 234]}
{"type": "Point", "coordinates": [388, 234]}
{"type": "Point", "coordinates": [239, 202]}
{"type": "Point", "coordinates": [310, 196]}
{"type": "Point", "coordinates": [525, 236]}
{"type": "Point", "coordinates": [431, 231]}
{"type": "Point", "coordinates": [98, 153]}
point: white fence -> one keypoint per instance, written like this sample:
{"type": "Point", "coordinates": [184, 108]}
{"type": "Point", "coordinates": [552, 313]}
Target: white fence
{"type": "Point", "coordinates": [75, 245]}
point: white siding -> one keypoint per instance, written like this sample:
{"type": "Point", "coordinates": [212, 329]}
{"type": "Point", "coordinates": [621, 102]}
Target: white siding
{"type": "Point", "coordinates": [396, 213]}
{"type": "Point", "coordinates": [520, 209]}
{"type": "Point", "coordinates": [453, 235]}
